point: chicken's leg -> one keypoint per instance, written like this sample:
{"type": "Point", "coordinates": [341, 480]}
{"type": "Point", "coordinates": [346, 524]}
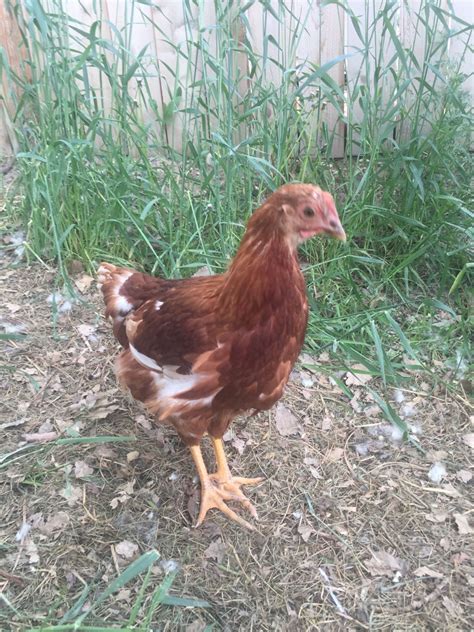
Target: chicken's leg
{"type": "Point", "coordinates": [221, 486]}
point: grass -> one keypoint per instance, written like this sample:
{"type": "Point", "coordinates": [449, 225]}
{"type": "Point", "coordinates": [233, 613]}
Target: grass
{"type": "Point", "coordinates": [100, 181]}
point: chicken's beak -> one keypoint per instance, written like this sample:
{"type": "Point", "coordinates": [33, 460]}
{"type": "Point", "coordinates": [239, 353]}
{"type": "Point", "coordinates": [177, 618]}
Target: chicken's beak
{"type": "Point", "coordinates": [340, 235]}
{"type": "Point", "coordinates": [336, 230]}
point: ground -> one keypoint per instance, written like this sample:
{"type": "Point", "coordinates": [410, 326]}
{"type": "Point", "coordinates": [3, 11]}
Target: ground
{"type": "Point", "coordinates": [357, 530]}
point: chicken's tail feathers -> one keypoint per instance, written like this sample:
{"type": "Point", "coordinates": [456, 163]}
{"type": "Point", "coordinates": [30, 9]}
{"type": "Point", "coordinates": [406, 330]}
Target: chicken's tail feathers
{"type": "Point", "coordinates": [111, 281]}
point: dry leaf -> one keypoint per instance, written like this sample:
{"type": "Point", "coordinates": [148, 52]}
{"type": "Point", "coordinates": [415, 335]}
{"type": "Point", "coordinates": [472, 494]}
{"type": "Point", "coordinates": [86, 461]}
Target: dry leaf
{"type": "Point", "coordinates": [126, 549]}
{"type": "Point", "coordinates": [124, 494]}
{"type": "Point", "coordinates": [452, 607]}
{"type": "Point", "coordinates": [334, 454]}
{"type": "Point", "coordinates": [462, 522]}
{"type": "Point", "coordinates": [132, 456]}
{"type": "Point", "coordinates": [326, 423]}
{"type": "Point", "coordinates": [216, 551]}
{"type": "Point", "coordinates": [469, 439]}
{"type": "Point", "coordinates": [72, 494]}
{"type": "Point", "coordinates": [285, 421]}
{"type": "Point", "coordinates": [425, 571]}
{"type": "Point", "coordinates": [55, 522]}
{"type": "Point", "coordinates": [464, 476]}
{"type": "Point", "coordinates": [385, 564]}
{"type": "Point", "coordinates": [204, 271]}
{"type": "Point", "coordinates": [357, 376]}
{"type": "Point", "coordinates": [31, 551]}
{"type": "Point", "coordinates": [238, 444]}
{"type": "Point", "coordinates": [439, 516]}
{"type": "Point", "coordinates": [82, 470]}
{"type": "Point", "coordinates": [12, 307]}
{"type": "Point", "coordinates": [83, 283]}
{"type": "Point", "coordinates": [123, 595]}
{"type": "Point", "coordinates": [86, 330]}
{"type": "Point", "coordinates": [305, 531]}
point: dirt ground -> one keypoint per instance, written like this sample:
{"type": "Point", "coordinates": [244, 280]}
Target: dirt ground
{"type": "Point", "coordinates": [357, 530]}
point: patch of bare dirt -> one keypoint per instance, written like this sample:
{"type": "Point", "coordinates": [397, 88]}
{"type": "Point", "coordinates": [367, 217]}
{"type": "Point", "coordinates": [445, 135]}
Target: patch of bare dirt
{"type": "Point", "coordinates": [357, 529]}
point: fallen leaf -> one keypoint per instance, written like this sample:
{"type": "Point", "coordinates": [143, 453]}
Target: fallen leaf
{"type": "Point", "coordinates": [82, 470]}
{"type": "Point", "coordinates": [204, 271]}
{"type": "Point", "coordinates": [31, 551]}
{"type": "Point", "coordinates": [124, 494]}
{"type": "Point", "coordinates": [462, 522]}
{"type": "Point", "coordinates": [357, 376]}
{"type": "Point", "coordinates": [305, 531]}
{"type": "Point", "coordinates": [83, 283]}
{"type": "Point", "coordinates": [425, 571]}
{"type": "Point", "coordinates": [72, 494]}
{"type": "Point", "coordinates": [126, 549]}
{"type": "Point", "coordinates": [86, 330]}
{"type": "Point", "coordinates": [469, 439]}
{"type": "Point", "coordinates": [285, 421]}
{"type": "Point", "coordinates": [123, 595]}
{"type": "Point", "coordinates": [439, 516]}
{"type": "Point", "coordinates": [452, 607]}
{"type": "Point", "coordinates": [464, 476]}
{"type": "Point", "coordinates": [55, 522]}
{"type": "Point", "coordinates": [238, 444]}
{"type": "Point", "coordinates": [216, 551]}
{"type": "Point", "coordinates": [372, 411]}
{"type": "Point", "coordinates": [385, 564]}
{"type": "Point", "coordinates": [12, 307]}
{"type": "Point", "coordinates": [334, 454]}
{"type": "Point", "coordinates": [133, 456]}
{"type": "Point", "coordinates": [459, 558]}
{"type": "Point", "coordinates": [326, 422]}
{"type": "Point", "coordinates": [437, 472]}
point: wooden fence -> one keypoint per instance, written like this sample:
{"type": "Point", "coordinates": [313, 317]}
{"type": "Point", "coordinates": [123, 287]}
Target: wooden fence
{"type": "Point", "coordinates": [329, 33]}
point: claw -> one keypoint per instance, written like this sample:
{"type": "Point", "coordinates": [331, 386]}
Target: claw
{"type": "Point", "coordinates": [220, 487]}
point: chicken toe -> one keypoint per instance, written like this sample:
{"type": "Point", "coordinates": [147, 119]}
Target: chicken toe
{"type": "Point", "coordinates": [220, 487]}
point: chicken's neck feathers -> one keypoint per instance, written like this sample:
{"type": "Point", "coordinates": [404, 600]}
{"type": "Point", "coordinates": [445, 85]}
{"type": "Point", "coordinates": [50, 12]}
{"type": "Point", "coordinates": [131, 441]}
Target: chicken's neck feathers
{"type": "Point", "coordinates": [265, 271]}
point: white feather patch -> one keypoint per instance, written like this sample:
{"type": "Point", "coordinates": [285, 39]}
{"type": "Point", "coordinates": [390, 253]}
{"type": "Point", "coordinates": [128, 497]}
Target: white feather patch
{"type": "Point", "coordinates": [144, 360]}
{"type": "Point", "coordinates": [158, 304]}
{"type": "Point", "coordinates": [122, 305]}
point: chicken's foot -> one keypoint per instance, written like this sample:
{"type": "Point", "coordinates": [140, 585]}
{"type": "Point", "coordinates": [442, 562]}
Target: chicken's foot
{"type": "Point", "coordinates": [221, 486]}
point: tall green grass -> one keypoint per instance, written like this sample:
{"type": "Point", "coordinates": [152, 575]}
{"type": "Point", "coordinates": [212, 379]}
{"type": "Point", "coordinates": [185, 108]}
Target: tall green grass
{"type": "Point", "coordinates": [100, 181]}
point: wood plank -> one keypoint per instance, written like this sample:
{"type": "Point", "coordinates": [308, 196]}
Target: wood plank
{"type": "Point", "coordinates": [332, 33]}
{"type": "Point", "coordinates": [16, 54]}
{"type": "Point", "coordinates": [461, 46]}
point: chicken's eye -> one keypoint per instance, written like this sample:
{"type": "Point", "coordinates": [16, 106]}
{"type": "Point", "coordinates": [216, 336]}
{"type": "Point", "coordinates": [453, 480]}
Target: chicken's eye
{"type": "Point", "coordinates": [308, 211]}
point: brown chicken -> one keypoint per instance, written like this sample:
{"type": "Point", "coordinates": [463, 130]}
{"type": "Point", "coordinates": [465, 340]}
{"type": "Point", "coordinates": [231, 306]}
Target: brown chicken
{"type": "Point", "coordinates": [200, 351]}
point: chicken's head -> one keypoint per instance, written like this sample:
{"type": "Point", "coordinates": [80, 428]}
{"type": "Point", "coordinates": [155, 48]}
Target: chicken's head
{"type": "Point", "coordinates": [304, 210]}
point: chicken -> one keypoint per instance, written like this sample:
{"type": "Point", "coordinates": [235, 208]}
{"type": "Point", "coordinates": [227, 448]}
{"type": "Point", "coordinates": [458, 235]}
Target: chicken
{"type": "Point", "coordinates": [198, 352]}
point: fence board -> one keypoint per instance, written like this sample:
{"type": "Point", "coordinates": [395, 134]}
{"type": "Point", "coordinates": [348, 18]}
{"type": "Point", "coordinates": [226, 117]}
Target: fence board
{"type": "Point", "coordinates": [328, 34]}
{"type": "Point", "coordinates": [15, 53]}
{"type": "Point", "coordinates": [332, 34]}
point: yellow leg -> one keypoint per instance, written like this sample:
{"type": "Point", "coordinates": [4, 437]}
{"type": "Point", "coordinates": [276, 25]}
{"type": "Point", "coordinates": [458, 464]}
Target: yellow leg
{"type": "Point", "coordinates": [223, 471]}
{"type": "Point", "coordinates": [220, 487]}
